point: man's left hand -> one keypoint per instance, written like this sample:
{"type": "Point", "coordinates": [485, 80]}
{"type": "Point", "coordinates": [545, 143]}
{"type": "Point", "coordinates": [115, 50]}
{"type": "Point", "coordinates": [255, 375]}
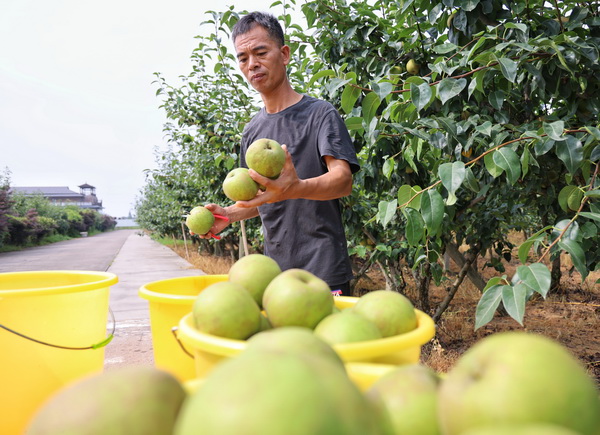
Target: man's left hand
{"type": "Point", "coordinates": [276, 190]}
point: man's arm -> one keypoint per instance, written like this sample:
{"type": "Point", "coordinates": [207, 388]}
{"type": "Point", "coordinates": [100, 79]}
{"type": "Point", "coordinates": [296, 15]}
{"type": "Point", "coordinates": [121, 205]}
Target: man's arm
{"type": "Point", "coordinates": [232, 213]}
{"type": "Point", "coordinates": [335, 183]}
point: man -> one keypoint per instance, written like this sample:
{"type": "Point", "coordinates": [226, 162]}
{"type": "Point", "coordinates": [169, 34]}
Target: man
{"type": "Point", "coordinates": [300, 211]}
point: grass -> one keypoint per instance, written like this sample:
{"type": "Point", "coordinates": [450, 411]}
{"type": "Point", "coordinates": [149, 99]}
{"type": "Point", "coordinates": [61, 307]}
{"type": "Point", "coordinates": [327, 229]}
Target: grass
{"type": "Point", "coordinates": [45, 241]}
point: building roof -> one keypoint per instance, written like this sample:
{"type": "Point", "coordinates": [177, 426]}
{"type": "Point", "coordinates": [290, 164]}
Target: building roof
{"type": "Point", "coordinates": [53, 191]}
{"type": "Point", "coordinates": [86, 186]}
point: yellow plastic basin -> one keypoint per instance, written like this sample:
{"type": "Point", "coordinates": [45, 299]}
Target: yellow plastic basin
{"type": "Point", "coordinates": [169, 300]}
{"type": "Point", "coordinates": [61, 308]}
{"type": "Point", "coordinates": [208, 350]}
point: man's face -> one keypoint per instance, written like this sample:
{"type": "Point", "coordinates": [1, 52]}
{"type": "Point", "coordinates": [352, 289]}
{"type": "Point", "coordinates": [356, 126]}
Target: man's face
{"type": "Point", "coordinates": [261, 60]}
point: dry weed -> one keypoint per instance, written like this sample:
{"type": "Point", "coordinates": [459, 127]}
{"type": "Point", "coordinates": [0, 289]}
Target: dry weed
{"type": "Point", "coordinates": [571, 315]}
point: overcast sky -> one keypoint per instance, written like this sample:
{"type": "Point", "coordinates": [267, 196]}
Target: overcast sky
{"type": "Point", "coordinates": [77, 103]}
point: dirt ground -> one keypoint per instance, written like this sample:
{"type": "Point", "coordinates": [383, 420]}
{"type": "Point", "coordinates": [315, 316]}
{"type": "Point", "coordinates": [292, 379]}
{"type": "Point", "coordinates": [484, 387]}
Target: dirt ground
{"type": "Point", "coordinates": [570, 315]}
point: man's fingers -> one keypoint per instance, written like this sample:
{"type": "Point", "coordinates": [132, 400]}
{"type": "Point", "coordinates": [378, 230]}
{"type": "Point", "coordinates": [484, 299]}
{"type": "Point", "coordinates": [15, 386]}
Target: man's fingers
{"type": "Point", "coordinates": [263, 181]}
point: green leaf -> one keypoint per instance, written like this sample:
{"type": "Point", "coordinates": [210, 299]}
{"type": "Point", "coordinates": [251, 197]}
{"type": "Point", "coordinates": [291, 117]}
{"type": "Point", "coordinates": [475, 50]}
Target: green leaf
{"type": "Point", "coordinates": [432, 210]}
{"type": "Point", "coordinates": [406, 192]}
{"type": "Point", "coordinates": [496, 99]}
{"type": "Point", "coordinates": [526, 159]}
{"type": "Point", "coordinates": [420, 95]}
{"type": "Point", "coordinates": [570, 151]}
{"type": "Point", "coordinates": [485, 128]}
{"type": "Point", "coordinates": [508, 160]}
{"type": "Point", "coordinates": [594, 132]}
{"type": "Point", "coordinates": [544, 145]}
{"type": "Point", "coordinates": [387, 211]}
{"type": "Point", "coordinates": [564, 196]}
{"type": "Point", "coordinates": [595, 156]}
{"type": "Point", "coordinates": [471, 182]}
{"type": "Point", "coordinates": [577, 255]}
{"type": "Point", "coordinates": [370, 104]}
{"type": "Point", "coordinates": [444, 48]}
{"type": "Point", "coordinates": [523, 251]}
{"type": "Point", "coordinates": [538, 236]}
{"type": "Point", "coordinates": [449, 88]}
{"type": "Point", "coordinates": [496, 280]}
{"type": "Point", "coordinates": [321, 74]}
{"type": "Point", "coordinates": [476, 47]}
{"type": "Point", "coordinates": [477, 82]}
{"type": "Point", "coordinates": [354, 123]}
{"type": "Point", "coordinates": [513, 299]}
{"type": "Point", "coordinates": [452, 175]}
{"type": "Point", "coordinates": [508, 68]}
{"type": "Point", "coordinates": [554, 130]}
{"type": "Point", "coordinates": [522, 27]}
{"type": "Point", "coordinates": [535, 276]}
{"type": "Point", "coordinates": [382, 89]}
{"type": "Point", "coordinates": [349, 97]}
{"type": "Point", "coordinates": [593, 216]}
{"type": "Point", "coordinates": [388, 167]}
{"type": "Point", "coordinates": [415, 227]}
{"type": "Point", "coordinates": [487, 305]}
{"type": "Point", "coordinates": [570, 229]}
{"type": "Point", "coordinates": [593, 193]}
{"type": "Point", "coordinates": [494, 170]}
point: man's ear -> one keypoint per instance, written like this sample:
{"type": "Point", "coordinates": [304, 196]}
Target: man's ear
{"type": "Point", "coordinates": [285, 52]}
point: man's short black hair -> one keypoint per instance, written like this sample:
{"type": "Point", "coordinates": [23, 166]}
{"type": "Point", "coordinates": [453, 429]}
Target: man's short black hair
{"type": "Point", "coordinates": [267, 21]}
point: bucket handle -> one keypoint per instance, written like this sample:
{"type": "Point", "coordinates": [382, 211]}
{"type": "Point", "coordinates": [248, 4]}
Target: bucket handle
{"type": "Point", "coordinates": [93, 346]}
{"type": "Point", "coordinates": [174, 330]}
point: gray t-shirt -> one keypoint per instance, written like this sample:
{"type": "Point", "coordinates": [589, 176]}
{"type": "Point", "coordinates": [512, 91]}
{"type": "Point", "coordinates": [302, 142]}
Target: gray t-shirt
{"type": "Point", "coordinates": [302, 233]}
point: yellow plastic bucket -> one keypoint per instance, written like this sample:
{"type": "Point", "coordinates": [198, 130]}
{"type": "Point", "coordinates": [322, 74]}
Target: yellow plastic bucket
{"type": "Point", "coordinates": [169, 300]}
{"type": "Point", "coordinates": [68, 309]}
{"type": "Point", "coordinates": [209, 350]}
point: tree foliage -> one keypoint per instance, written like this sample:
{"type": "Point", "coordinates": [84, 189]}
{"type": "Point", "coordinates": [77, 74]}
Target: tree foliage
{"type": "Point", "coordinates": [29, 220]}
{"type": "Point", "coordinates": [492, 128]}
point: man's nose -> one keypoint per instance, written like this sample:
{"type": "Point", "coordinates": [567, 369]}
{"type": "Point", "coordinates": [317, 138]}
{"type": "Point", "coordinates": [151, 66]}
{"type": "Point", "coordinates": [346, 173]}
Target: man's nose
{"type": "Point", "coordinates": [253, 62]}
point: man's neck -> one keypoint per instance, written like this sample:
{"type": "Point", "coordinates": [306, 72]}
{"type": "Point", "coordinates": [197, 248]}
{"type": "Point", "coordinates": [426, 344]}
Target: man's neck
{"type": "Point", "coordinates": [281, 99]}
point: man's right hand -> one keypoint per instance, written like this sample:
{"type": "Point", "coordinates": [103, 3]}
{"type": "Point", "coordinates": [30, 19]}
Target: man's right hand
{"type": "Point", "coordinates": [219, 224]}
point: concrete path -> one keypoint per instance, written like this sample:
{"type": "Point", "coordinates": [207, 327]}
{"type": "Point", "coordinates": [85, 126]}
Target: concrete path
{"type": "Point", "coordinates": [135, 258]}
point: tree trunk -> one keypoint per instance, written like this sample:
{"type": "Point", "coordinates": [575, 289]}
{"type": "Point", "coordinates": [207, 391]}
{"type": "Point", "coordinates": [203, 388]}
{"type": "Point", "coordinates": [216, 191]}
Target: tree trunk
{"type": "Point", "coordinates": [363, 270]}
{"type": "Point", "coordinates": [389, 282]}
{"type": "Point", "coordinates": [556, 273]}
{"type": "Point", "coordinates": [472, 273]}
{"type": "Point", "coordinates": [464, 271]}
{"type": "Point", "coordinates": [423, 280]}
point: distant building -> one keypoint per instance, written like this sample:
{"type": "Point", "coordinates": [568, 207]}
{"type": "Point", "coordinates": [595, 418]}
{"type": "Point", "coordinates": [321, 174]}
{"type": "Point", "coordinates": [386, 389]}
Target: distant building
{"type": "Point", "coordinates": [62, 195]}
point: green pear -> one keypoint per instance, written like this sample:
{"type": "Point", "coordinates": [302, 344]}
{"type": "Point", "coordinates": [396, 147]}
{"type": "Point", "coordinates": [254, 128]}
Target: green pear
{"type": "Point", "coordinates": [239, 186]}
{"type": "Point", "coordinates": [392, 312]}
{"type": "Point", "coordinates": [412, 67]}
{"type": "Point", "coordinates": [346, 327]}
{"type": "Point", "coordinates": [296, 297]}
{"type": "Point", "coordinates": [396, 69]}
{"type": "Point", "coordinates": [409, 394]}
{"type": "Point", "coordinates": [266, 157]}
{"type": "Point", "coordinates": [200, 220]}
{"type": "Point", "coordinates": [518, 378]}
{"type": "Point", "coordinates": [529, 429]}
{"type": "Point", "coordinates": [265, 325]}
{"type": "Point", "coordinates": [129, 401]}
{"type": "Point", "coordinates": [227, 310]}
{"type": "Point", "coordinates": [254, 272]}
{"type": "Point", "coordinates": [265, 392]}
{"type": "Point", "coordinates": [296, 340]}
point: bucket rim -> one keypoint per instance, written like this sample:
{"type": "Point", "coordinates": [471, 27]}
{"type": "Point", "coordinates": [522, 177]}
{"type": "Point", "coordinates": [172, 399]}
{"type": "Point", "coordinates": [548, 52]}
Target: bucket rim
{"type": "Point", "coordinates": [424, 332]}
{"type": "Point", "coordinates": [145, 292]}
{"type": "Point", "coordinates": [105, 279]}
